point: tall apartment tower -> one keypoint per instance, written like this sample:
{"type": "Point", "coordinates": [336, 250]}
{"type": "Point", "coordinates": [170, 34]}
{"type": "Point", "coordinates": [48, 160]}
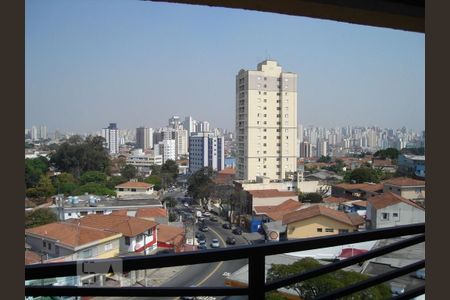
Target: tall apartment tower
{"type": "Point", "coordinates": [266, 122]}
{"type": "Point", "coordinates": [111, 135]}
{"type": "Point", "coordinates": [144, 138]}
{"type": "Point", "coordinates": [206, 150]}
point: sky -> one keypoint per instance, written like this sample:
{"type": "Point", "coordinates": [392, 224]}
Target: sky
{"type": "Point", "coordinates": [92, 62]}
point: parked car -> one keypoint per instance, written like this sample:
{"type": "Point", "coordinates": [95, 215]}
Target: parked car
{"type": "Point", "coordinates": [201, 219]}
{"type": "Point", "coordinates": [206, 214]}
{"type": "Point", "coordinates": [237, 231]}
{"type": "Point", "coordinates": [226, 226]}
{"type": "Point", "coordinates": [199, 235]}
{"type": "Point", "coordinates": [202, 245]}
{"type": "Point", "coordinates": [213, 219]}
{"type": "Point", "coordinates": [215, 243]}
{"type": "Point", "coordinates": [231, 240]}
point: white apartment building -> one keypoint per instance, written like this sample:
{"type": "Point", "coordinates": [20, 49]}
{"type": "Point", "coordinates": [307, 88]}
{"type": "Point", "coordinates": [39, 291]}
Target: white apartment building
{"type": "Point", "coordinates": [143, 161]}
{"type": "Point", "coordinates": [111, 136]}
{"type": "Point", "coordinates": [144, 138]}
{"type": "Point", "coordinates": [189, 124]}
{"type": "Point", "coordinates": [167, 149]}
{"type": "Point", "coordinates": [181, 141]}
{"type": "Point", "coordinates": [266, 122]}
{"type": "Point", "coordinates": [206, 150]}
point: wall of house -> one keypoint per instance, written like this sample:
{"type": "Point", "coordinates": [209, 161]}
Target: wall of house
{"type": "Point", "coordinates": [270, 201]}
{"type": "Point", "coordinates": [139, 241]}
{"type": "Point", "coordinates": [308, 228]}
{"type": "Point", "coordinates": [406, 214]}
{"type": "Point", "coordinates": [308, 186]}
{"type": "Point", "coordinates": [128, 191]}
{"type": "Point", "coordinates": [411, 193]}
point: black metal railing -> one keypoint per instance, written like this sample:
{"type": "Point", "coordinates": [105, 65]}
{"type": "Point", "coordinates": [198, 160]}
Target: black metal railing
{"type": "Point", "coordinates": [257, 286]}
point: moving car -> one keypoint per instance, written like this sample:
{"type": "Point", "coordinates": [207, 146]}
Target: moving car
{"type": "Point", "coordinates": [202, 245]}
{"type": "Point", "coordinates": [206, 214]}
{"type": "Point", "coordinates": [204, 228]}
{"type": "Point", "coordinates": [213, 219]}
{"type": "Point", "coordinates": [215, 243]}
{"type": "Point", "coordinates": [231, 240]}
{"type": "Point", "coordinates": [226, 226]}
{"type": "Point", "coordinates": [237, 231]}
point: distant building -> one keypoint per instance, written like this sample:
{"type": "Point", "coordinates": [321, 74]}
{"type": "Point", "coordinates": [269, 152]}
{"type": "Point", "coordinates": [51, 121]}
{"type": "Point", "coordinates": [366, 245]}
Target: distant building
{"type": "Point", "coordinates": [357, 190]}
{"type": "Point", "coordinates": [388, 210]}
{"type": "Point", "coordinates": [144, 138]}
{"type": "Point", "coordinates": [166, 148]}
{"type": "Point", "coordinates": [111, 136]}
{"type": "Point", "coordinates": [412, 165]}
{"type": "Point", "coordinates": [206, 150]}
{"type": "Point", "coordinates": [322, 148]}
{"type": "Point", "coordinates": [306, 150]}
{"type": "Point", "coordinates": [189, 125]}
{"type": "Point", "coordinates": [143, 162]}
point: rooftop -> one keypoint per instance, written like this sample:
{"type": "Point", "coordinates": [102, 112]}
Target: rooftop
{"type": "Point", "coordinates": [405, 181]}
{"type": "Point", "coordinates": [71, 234]}
{"type": "Point", "coordinates": [167, 233]}
{"type": "Point", "coordinates": [278, 211]}
{"type": "Point", "coordinates": [128, 226]}
{"type": "Point", "coordinates": [150, 212]}
{"type": "Point", "coordinates": [388, 199]}
{"type": "Point", "coordinates": [318, 210]}
{"type": "Point", "coordinates": [371, 187]}
{"type": "Point", "coordinates": [271, 193]}
{"type": "Point", "coordinates": [136, 184]}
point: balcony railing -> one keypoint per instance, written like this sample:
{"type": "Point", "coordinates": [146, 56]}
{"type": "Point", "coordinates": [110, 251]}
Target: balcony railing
{"type": "Point", "coordinates": [257, 286]}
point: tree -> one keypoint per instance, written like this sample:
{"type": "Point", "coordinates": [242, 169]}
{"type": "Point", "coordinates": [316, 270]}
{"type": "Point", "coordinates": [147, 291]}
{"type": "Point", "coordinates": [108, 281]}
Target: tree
{"type": "Point", "coordinates": [93, 176]}
{"type": "Point", "coordinates": [324, 159]}
{"type": "Point", "coordinates": [155, 180]}
{"type": "Point", "coordinates": [201, 185]}
{"type": "Point", "coordinates": [170, 167]}
{"type": "Point", "coordinates": [310, 197]}
{"type": "Point", "coordinates": [115, 180]}
{"type": "Point", "coordinates": [156, 170]}
{"type": "Point", "coordinates": [361, 175]}
{"type": "Point", "coordinates": [38, 217]}
{"type": "Point", "coordinates": [34, 169]}
{"type": "Point", "coordinates": [321, 285]}
{"type": "Point", "coordinates": [128, 172]}
{"type": "Point", "coordinates": [65, 183]}
{"type": "Point", "coordinates": [77, 156]}
{"type": "Point", "coordinates": [95, 189]}
{"type": "Point", "coordinates": [391, 153]}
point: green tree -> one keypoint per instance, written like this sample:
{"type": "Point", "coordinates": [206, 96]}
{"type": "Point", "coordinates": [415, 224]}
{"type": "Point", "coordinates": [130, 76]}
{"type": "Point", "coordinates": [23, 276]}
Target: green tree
{"type": "Point", "coordinates": [128, 171]}
{"type": "Point", "coordinates": [45, 186]}
{"type": "Point", "coordinates": [361, 175]}
{"type": "Point", "coordinates": [391, 153]}
{"type": "Point", "coordinates": [170, 167]}
{"type": "Point", "coordinates": [156, 170]}
{"type": "Point", "coordinates": [324, 159]}
{"type": "Point", "coordinates": [95, 189]}
{"type": "Point", "coordinates": [65, 183]}
{"type": "Point", "coordinates": [115, 180]}
{"type": "Point", "coordinates": [93, 176]}
{"type": "Point", "coordinates": [78, 156]}
{"type": "Point", "coordinates": [200, 185]}
{"type": "Point", "coordinates": [34, 169]}
{"type": "Point", "coordinates": [321, 285]}
{"type": "Point", "coordinates": [310, 197]}
{"type": "Point", "coordinates": [155, 180]}
{"type": "Point", "coordinates": [38, 217]}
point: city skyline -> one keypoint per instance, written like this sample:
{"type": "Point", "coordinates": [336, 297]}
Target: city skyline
{"type": "Point", "coordinates": [92, 63]}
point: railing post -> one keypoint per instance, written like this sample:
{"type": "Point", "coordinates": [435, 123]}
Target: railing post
{"type": "Point", "coordinates": [256, 276]}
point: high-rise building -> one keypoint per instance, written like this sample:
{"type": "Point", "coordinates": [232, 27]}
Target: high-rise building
{"type": "Point", "coordinates": [42, 132]}
{"type": "Point", "coordinates": [166, 148]}
{"type": "Point", "coordinates": [181, 142]}
{"type": "Point", "coordinates": [175, 122]}
{"type": "Point", "coordinates": [144, 138]}
{"type": "Point", "coordinates": [266, 122]}
{"type": "Point", "coordinates": [306, 150]}
{"type": "Point", "coordinates": [206, 150]}
{"type": "Point", "coordinates": [111, 136]}
{"type": "Point", "coordinates": [322, 149]}
{"type": "Point", "coordinates": [189, 125]}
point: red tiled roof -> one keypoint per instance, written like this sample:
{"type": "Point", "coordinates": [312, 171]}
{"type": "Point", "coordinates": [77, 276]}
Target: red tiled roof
{"type": "Point", "coordinates": [167, 233]}
{"type": "Point", "coordinates": [32, 257]}
{"type": "Point", "coordinates": [278, 211]}
{"type": "Point", "coordinates": [71, 234]}
{"type": "Point", "coordinates": [318, 210]}
{"type": "Point", "coordinates": [128, 226]}
{"type": "Point", "coordinates": [151, 212]}
{"type": "Point", "coordinates": [371, 187]}
{"type": "Point", "coordinates": [388, 199]}
{"type": "Point", "coordinates": [350, 252]}
{"type": "Point", "coordinates": [227, 171]}
{"type": "Point", "coordinates": [131, 184]}
{"type": "Point", "coordinates": [360, 203]}
{"type": "Point", "coordinates": [405, 181]}
{"type": "Point", "coordinates": [120, 212]}
{"type": "Point", "coordinates": [271, 193]}
{"type": "Point", "coordinates": [336, 200]}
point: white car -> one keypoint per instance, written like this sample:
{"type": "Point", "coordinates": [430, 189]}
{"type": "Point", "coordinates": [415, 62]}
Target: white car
{"type": "Point", "coordinates": [206, 214]}
{"type": "Point", "coordinates": [215, 243]}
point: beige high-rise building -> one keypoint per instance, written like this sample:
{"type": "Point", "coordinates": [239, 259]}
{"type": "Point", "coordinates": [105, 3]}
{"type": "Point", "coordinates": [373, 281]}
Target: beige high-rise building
{"type": "Point", "coordinates": [266, 122]}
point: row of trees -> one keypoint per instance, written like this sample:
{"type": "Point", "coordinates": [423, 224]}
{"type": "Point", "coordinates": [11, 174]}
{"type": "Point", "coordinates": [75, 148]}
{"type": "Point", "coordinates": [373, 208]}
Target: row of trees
{"type": "Point", "coordinates": [324, 284]}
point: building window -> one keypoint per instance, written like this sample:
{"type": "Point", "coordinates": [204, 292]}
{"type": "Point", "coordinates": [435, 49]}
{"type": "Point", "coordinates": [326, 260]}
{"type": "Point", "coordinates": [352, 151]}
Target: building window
{"type": "Point", "coordinates": [395, 215]}
{"type": "Point", "coordinates": [343, 230]}
{"type": "Point", "coordinates": [319, 229]}
{"type": "Point", "coordinates": [108, 247]}
{"type": "Point", "coordinates": [44, 244]}
{"type": "Point", "coordinates": [329, 230]}
{"type": "Point", "coordinates": [127, 240]}
{"type": "Point", "coordinates": [384, 216]}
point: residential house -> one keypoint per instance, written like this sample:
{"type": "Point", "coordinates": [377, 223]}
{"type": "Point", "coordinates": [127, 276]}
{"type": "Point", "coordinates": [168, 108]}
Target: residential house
{"type": "Point", "coordinates": [356, 190]}
{"type": "Point", "coordinates": [412, 165]}
{"type": "Point", "coordinates": [157, 214]}
{"type": "Point", "coordinates": [131, 188]}
{"type": "Point", "coordinates": [171, 237]}
{"type": "Point", "coordinates": [385, 165]}
{"type": "Point", "coordinates": [389, 209]}
{"type": "Point", "coordinates": [408, 188]}
{"type": "Point", "coordinates": [138, 235]}
{"type": "Point", "coordinates": [318, 220]}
